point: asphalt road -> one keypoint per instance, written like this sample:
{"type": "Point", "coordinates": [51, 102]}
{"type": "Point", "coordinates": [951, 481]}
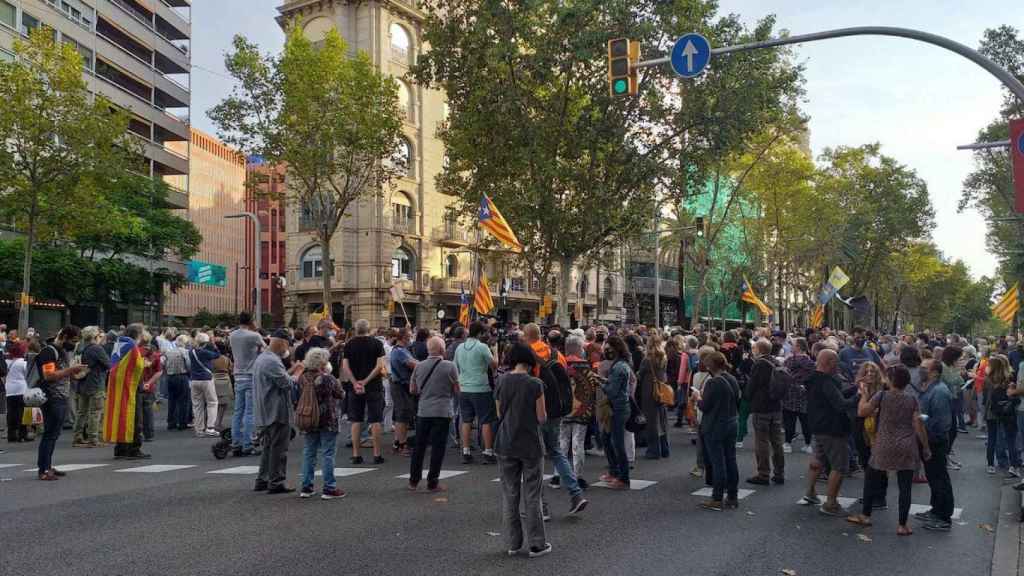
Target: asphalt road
{"type": "Point", "coordinates": [191, 521]}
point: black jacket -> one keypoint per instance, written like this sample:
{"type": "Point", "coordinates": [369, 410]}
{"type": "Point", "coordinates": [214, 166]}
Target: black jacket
{"type": "Point", "coordinates": [826, 407]}
{"type": "Point", "coordinates": [758, 391]}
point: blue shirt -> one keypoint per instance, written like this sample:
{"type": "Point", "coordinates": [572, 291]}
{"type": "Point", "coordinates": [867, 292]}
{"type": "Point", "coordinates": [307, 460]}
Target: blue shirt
{"type": "Point", "coordinates": [851, 359]}
{"type": "Point", "coordinates": [202, 370]}
{"type": "Point", "coordinates": [400, 371]}
{"type": "Point", "coordinates": [616, 388]}
{"type": "Point", "coordinates": [937, 403]}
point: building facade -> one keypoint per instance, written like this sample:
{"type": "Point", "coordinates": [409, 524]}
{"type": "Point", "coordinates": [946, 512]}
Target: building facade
{"type": "Point", "coordinates": [135, 53]}
{"type": "Point", "coordinates": [264, 197]}
{"type": "Point", "coordinates": [217, 188]}
{"type": "Point", "coordinates": [405, 237]}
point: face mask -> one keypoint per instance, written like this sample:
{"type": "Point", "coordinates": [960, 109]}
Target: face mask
{"type": "Point", "coordinates": [331, 334]}
{"type": "Point", "coordinates": [328, 368]}
{"type": "Point", "coordinates": [287, 352]}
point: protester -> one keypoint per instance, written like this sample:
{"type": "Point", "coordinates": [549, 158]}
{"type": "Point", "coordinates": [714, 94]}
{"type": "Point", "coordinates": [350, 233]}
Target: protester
{"type": "Point", "coordinates": [585, 383]}
{"type": "Point", "coordinates": [1001, 413]}
{"type": "Point", "coordinates": [15, 385]}
{"type": "Point", "coordinates": [894, 443]}
{"type": "Point", "coordinates": [123, 417]}
{"type": "Point", "coordinates": [651, 375]}
{"type": "Point", "coordinates": [246, 345]}
{"type": "Point", "coordinates": [794, 406]}
{"type": "Point", "coordinates": [851, 357]}
{"type": "Point", "coordinates": [520, 404]}
{"type": "Point", "coordinates": [718, 404]}
{"type": "Point", "coordinates": [436, 381]}
{"type": "Point", "coordinates": [202, 390]}
{"type": "Point", "coordinates": [175, 365]}
{"type": "Point", "coordinates": [321, 441]}
{"type": "Point", "coordinates": [827, 413]}
{"type": "Point", "coordinates": [766, 411]}
{"type": "Point", "coordinates": [936, 408]}
{"type": "Point", "coordinates": [363, 368]}
{"type": "Point", "coordinates": [272, 411]}
{"type": "Point", "coordinates": [92, 390]}
{"type": "Point", "coordinates": [53, 365]}
{"type": "Point", "coordinates": [473, 359]}
{"type": "Point", "coordinates": [404, 405]}
{"type": "Point", "coordinates": [616, 390]}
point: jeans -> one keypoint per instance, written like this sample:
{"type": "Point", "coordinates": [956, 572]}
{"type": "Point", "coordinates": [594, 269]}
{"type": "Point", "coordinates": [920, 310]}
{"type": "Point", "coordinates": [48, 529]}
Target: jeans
{"type": "Point", "coordinates": [204, 405]}
{"type": "Point", "coordinates": [875, 483]}
{"type": "Point", "coordinates": [431, 432]}
{"type": "Point", "coordinates": [177, 401]}
{"type": "Point", "coordinates": [615, 446]}
{"type": "Point", "coordinates": [789, 420]}
{"type": "Point", "coordinates": [145, 401]}
{"type": "Point", "coordinates": [938, 479]}
{"type": "Point", "coordinates": [54, 411]}
{"type": "Point", "coordinates": [572, 440]}
{"type": "Point", "coordinates": [274, 459]}
{"type": "Point", "coordinates": [522, 478]}
{"type": "Point", "coordinates": [720, 448]}
{"type": "Point", "coordinates": [89, 422]}
{"type": "Point", "coordinates": [549, 432]}
{"type": "Point", "coordinates": [768, 444]}
{"type": "Point", "coordinates": [323, 442]}
{"type": "Point", "coordinates": [242, 418]}
{"type": "Point", "coordinates": [1008, 429]}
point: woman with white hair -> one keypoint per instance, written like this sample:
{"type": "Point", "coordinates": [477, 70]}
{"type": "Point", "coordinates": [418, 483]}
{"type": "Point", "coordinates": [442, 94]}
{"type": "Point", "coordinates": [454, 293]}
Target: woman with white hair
{"type": "Point", "coordinates": [201, 360]}
{"type": "Point", "coordinates": [322, 439]}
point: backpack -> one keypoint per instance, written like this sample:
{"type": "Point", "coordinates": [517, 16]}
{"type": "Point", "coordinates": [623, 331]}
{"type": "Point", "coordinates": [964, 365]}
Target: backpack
{"type": "Point", "coordinates": [34, 378]}
{"type": "Point", "coordinates": [307, 411]}
{"type": "Point", "coordinates": [782, 380]}
{"type": "Point", "coordinates": [557, 388]}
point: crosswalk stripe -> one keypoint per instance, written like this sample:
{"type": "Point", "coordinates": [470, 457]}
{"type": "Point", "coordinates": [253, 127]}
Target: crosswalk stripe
{"type": "Point", "coordinates": [9, 465]}
{"type": "Point", "coordinates": [246, 470]}
{"type": "Point", "coordinates": [706, 492]}
{"type": "Point", "coordinates": [343, 472]}
{"type": "Point", "coordinates": [635, 484]}
{"type": "Point", "coordinates": [72, 467]}
{"type": "Point", "coordinates": [444, 474]}
{"type": "Point", "coordinates": [546, 478]}
{"type": "Point", "coordinates": [157, 468]}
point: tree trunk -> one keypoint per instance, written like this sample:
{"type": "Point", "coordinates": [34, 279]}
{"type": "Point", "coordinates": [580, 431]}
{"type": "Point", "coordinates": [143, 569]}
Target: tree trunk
{"type": "Point", "coordinates": [26, 272]}
{"type": "Point", "coordinates": [564, 282]}
{"type": "Point", "coordinates": [328, 272]}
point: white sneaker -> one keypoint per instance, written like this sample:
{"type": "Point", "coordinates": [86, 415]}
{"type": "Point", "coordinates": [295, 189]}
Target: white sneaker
{"type": "Point", "coordinates": [787, 448]}
{"type": "Point", "coordinates": [807, 449]}
{"type": "Point", "coordinates": [739, 445]}
{"type": "Point", "coordinates": [991, 470]}
{"type": "Point", "coordinates": [1013, 472]}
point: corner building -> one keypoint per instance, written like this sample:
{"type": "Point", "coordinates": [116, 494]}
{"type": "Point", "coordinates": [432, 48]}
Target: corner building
{"type": "Point", "coordinates": [404, 237]}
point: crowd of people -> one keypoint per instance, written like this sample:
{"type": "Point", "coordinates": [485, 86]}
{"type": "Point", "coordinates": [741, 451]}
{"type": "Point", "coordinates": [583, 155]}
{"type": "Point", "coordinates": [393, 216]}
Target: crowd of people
{"type": "Point", "coordinates": [865, 403]}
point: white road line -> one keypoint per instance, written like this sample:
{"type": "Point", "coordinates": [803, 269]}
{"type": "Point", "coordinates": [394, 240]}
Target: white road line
{"type": "Point", "coordinates": [241, 470]}
{"type": "Point", "coordinates": [10, 466]}
{"type": "Point", "coordinates": [740, 494]}
{"type": "Point", "coordinates": [444, 474]}
{"type": "Point", "coordinates": [633, 484]}
{"type": "Point", "coordinates": [72, 467]}
{"type": "Point", "coordinates": [157, 468]}
{"type": "Point", "coordinates": [343, 472]}
{"type": "Point", "coordinates": [546, 478]}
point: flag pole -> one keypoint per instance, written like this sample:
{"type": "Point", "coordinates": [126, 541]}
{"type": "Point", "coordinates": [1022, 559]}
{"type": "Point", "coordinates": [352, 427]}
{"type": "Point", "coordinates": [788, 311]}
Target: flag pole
{"type": "Point", "coordinates": [476, 267]}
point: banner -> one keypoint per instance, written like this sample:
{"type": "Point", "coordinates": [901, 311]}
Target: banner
{"type": "Point", "coordinates": [207, 274]}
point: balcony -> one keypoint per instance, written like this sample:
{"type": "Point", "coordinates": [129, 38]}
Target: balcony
{"type": "Point", "coordinates": [401, 225]}
{"type": "Point", "coordinates": [168, 125]}
{"type": "Point", "coordinates": [132, 63]}
{"type": "Point", "coordinates": [138, 26]}
{"type": "Point", "coordinates": [450, 235]}
{"type": "Point", "coordinates": [442, 285]}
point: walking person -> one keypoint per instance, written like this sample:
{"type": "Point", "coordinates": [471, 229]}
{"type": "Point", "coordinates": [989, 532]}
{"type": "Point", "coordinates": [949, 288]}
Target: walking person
{"type": "Point", "coordinates": [272, 411]}
{"type": "Point", "coordinates": [719, 404]}
{"type": "Point", "coordinates": [322, 439]}
{"type": "Point", "coordinates": [520, 404]}
{"type": "Point", "coordinates": [649, 377]}
{"type": "Point", "coordinates": [246, 345]}
{"type": "Point", "coordinates": [53, 366]}
{"type": "Point", "coordinates": [766, 413]}
{"type": "Point", "coordinates": [92, 389]}
{"type": "Point", "coordinates": [15, 385]}
{"type": "Point", "coordinates": [201, 360]}
{"type": "Point", "coordinates": [436, 381]}
{"type": "Point", "coordinates": [936, 408]}
{"type": "Point", "coordinates": [404, 404]}
{"type": "Point", "coordinates": [897, 434]}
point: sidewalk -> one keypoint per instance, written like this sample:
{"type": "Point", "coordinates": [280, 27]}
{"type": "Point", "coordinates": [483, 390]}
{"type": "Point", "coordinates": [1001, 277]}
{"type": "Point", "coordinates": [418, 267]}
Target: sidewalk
{"type": "Point", "coordinates": [1008, 554]}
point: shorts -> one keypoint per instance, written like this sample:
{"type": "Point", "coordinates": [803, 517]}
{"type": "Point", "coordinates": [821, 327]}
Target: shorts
{"type": "Point", "coordinates": [477, 406]}
{"type": "Point", "coordinates": [833, 452]}
{"type": "Point", "coordinates": [403, 404]}
{"type": "Point", "coordinates": [367, 407]}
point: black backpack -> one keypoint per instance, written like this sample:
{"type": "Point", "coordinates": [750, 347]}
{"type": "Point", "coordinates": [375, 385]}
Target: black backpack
{"type": "Point", "coordinates": [557, 388]}
{"type": "Point", "coordinates": [781, 382]}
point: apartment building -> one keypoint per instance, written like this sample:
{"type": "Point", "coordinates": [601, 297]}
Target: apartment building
{"type": "Point", "coordinates": [135, 53]}
{"type": "Point", "coordinates": [264, 197]}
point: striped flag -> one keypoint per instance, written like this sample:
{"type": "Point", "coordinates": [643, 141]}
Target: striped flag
{"type": "Point", "coordinates": [751, 298]}
{"type": "Point", "coordinates": [492, 221]}
{"type": "Point", "coordinates": [122, 386]}
{"type": "Point", "coordinates": [482, 300]}
{"type": "Point", "coordinates": [1008, 305]}
{"type": "Point", "coordinates": [463, 306]}
{"type": "Point", "coordinates": [818, 316]}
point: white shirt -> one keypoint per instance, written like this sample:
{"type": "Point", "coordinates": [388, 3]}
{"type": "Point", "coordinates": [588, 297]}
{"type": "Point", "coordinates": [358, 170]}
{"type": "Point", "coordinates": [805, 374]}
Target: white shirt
{"type": "Point", "coordinates": [16, 372]}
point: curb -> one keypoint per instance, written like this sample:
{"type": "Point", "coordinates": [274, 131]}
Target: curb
{"type": "Point", "coordinates": [1007, 557]}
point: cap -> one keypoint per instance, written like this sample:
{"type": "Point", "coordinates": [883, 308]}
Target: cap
{"type": "Point", "coordinates": [282, 334]}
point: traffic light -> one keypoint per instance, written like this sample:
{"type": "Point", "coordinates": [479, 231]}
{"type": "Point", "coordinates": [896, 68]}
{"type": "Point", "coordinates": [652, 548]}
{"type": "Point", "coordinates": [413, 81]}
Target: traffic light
{"type": "Point", "coordinates": [698, 222]}
{"type": "Point", "coordinates": [623, 56]}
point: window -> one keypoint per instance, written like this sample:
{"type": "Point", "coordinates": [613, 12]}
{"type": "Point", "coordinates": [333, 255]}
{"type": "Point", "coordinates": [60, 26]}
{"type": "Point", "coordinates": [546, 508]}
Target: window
{"type": "Point", "coordinates": [451, 266]}
{"type": "Point", "coordinates": [402, 218]}
{"type": "Point", "coordinates": [405, 101]}
{"type": "Point", "coordinates": [400, 43]}
{"type": "Point", "coordinates": [264, 256]}
{"type": "Point", "coordinates": [85, 52]}
{"type": "Point", "coordinates": [401, 158]}
{"type": "Point", "coordinates": [28, 23]}
{"type": "Point", "coordinates": [6, 56]}
{"type": "Point", "coordinates": [312, 263]}
{"type": "Point", "coordinates": [8, 14]}
{"type": "Point", "coordinates": [401, 264]}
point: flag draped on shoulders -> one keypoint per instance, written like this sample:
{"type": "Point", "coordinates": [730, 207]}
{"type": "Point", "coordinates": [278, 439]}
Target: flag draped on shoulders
{"type": "Point", "coordinates": [122, 392]}
{"type": "Point", "coordinates": [492, 221]}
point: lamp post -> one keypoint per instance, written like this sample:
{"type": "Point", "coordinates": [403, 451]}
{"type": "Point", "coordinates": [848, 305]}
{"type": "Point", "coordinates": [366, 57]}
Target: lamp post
{"type": "Point", "coordinates": [256, 314]}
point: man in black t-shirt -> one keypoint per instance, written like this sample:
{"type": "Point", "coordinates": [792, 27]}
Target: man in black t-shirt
{"type": "Point", "coordinates": [363, 368]}
{"type": "Point", "coordinates": [53, 366]}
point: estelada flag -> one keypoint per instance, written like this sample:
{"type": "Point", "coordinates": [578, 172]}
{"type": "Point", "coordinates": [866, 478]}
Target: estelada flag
{"type": "Point", "coordinates": [818, 317]}
{"type": "Point", "coordinates": [492, 221]}
{"type": "Point", "coordinates": [122, 391]}
{"type": "Point", "coordinates": [463, 307]}
{"type": "Point", "coordinates": [750, 297]}
{"type": "Point", "coordinates": [1008, 304]}
{"type": "Point", "coordinates": [482, 300]}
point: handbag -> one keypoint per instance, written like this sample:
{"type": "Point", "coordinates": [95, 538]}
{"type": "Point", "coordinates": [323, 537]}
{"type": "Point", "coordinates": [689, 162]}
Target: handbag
{"type": "Point", "coordinates": [34, 397]}
{"type": "Point", "coordinates": [664, 394]}
{"type": "Point", "coordinates": [636, 421]}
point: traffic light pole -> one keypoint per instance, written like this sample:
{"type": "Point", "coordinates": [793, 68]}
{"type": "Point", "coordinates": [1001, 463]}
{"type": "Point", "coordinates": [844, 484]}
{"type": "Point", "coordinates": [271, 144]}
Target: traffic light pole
{"type": "Point", "coordinates": [1008, 79]}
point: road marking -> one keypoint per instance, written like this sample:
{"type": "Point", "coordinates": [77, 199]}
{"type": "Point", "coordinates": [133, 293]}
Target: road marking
{"type": "Point", "coordinates": [740, 494]}
{"type": "Point", "coordinates": [842, 500]}
{"type": "Point", "coordinates": [72, 467]}
{"type": "Point", "coordinates": [849, 503]}
{"type": "Point", "coordinates": [343, 472]}
{"type": "Point", "coordinates": [918, 508]}
{"type": "Point", "coordinates": [157, 468]}
{"type": "Point", "coordinates": [444, 474]}
{"type": "Point", "coordinates": [633, 484]}
{"type": "Point", "coordinates": [10, 466]}
{"type": "Point", "coordinates": [546, 478]}
{"type": "Point", "coordinates": [246, 470]}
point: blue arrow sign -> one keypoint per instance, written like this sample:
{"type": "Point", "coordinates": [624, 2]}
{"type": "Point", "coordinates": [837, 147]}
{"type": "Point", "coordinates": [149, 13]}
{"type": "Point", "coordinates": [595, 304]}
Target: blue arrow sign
{"type": "Point", "coordinates": [690, 55]}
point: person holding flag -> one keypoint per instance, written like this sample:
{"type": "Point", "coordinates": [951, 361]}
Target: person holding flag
{"type": "Point", "coordinates": [122, 419]}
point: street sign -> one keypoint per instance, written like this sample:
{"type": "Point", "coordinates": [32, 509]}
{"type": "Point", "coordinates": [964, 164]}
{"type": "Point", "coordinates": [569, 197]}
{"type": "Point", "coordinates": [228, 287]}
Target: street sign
{"type": "Point", "coordinates": [690, 55]}
{"type": "Point", "coordinates": [1017, 152]}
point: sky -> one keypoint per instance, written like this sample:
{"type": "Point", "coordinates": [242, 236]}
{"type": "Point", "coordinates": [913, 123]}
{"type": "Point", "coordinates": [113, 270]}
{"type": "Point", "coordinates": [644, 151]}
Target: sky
{"type": "Point", "coordinates": [919, 101]}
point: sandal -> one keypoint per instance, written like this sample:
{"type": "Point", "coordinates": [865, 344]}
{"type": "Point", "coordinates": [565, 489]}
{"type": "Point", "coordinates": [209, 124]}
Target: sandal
{"type": "Point", "coordinates": [903, 531]}
{"type": "Point", "coordinates": [859, 519]}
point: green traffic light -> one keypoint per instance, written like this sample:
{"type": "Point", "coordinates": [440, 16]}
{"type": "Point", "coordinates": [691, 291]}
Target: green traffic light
{"type": "Point", "coordinates": [620, 86]}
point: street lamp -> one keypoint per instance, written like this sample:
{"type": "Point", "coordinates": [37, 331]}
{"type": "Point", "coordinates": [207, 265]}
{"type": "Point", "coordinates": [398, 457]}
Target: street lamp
{"type": "Point", "coordinates": [257, 317]}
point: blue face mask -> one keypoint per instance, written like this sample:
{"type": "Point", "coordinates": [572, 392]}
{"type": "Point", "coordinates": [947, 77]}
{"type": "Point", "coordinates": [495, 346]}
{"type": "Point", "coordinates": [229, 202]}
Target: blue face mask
{"type": "Point", "coordinates": [331, 333]}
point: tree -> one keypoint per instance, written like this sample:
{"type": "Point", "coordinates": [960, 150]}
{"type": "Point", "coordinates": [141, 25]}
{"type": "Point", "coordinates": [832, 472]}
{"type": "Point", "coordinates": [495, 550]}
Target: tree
{"type": "Point", "coordinates": [532, 125]}
{"type": "Point", "coordinates": [59, 145]}
{"type": "Point", "coordinates": [331, 117]}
